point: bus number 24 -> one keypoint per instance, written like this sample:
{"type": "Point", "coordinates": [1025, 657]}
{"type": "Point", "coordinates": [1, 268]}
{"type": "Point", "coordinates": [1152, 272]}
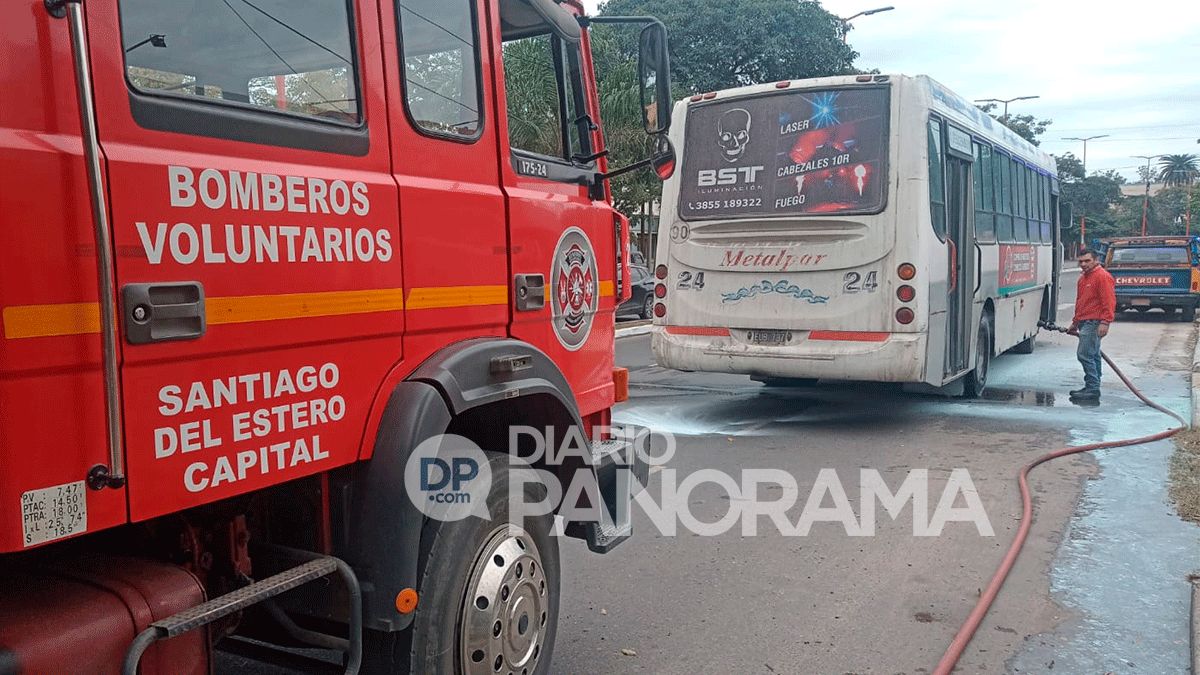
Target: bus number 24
{"type": "Point", "coordinates": [687, 281]}
{"type": "Point", "coordinates": [854, 282]}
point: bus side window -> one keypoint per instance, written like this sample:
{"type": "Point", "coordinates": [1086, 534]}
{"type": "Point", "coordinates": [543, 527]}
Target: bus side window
{"type": "Point", "coordinates": [1004, 219]}
{"type": "Point", "coordinates": [937, 180]}
{"type": "Point", "coordinates": [1020, 225]}
{"type": "Point", "coordinates": [441, 66]}
{"type": "Point", "coordinates": [1047, 218]}
{"type": "Point", "coordinates": [985, 225]}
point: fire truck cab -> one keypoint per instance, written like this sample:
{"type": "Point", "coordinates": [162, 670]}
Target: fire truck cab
{"type": "Point", "coordinates": [255, 253]}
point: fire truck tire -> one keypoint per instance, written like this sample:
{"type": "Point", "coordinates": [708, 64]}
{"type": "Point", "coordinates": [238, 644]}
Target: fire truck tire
{"type": "Point", "coordinates": [489, 594]}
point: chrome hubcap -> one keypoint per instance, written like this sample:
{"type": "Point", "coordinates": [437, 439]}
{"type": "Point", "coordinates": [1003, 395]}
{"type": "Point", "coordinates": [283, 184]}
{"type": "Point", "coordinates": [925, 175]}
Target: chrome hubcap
{"type": "Point", "coordinates": [504, 613]}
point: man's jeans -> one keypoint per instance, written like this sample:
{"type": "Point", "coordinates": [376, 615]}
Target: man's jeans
{"type": "Point", "coordinates": [1089, 354]}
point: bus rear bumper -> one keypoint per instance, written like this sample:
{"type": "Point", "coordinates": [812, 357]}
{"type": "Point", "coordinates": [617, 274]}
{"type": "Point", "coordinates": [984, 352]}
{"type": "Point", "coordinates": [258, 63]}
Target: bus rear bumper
{"type": "Point", "coordinates": [898, 358]}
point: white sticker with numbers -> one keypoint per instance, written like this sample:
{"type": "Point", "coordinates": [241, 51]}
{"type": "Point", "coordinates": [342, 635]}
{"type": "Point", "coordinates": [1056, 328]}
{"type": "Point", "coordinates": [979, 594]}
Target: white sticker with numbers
{"type": "Point", "coordinates": [54, 512]}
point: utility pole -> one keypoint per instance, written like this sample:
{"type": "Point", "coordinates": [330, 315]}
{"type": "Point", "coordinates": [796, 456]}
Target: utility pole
{"type": "Point", "coordinates": [1146, 200]}
{"type": "Point", "coordinates": [1085, 142]}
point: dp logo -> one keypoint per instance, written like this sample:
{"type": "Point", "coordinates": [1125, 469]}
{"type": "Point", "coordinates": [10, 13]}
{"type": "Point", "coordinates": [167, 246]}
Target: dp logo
{"type": "Point", "coordinates": [448, 478]}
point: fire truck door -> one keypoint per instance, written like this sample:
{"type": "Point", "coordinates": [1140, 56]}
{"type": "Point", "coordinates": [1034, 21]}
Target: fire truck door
{"type": "Point", "coordinates": [562, 241]}
{"type": "Point", "coordinates": [444, 160]}
{"type": "Point", "coordinates": [256, 235]}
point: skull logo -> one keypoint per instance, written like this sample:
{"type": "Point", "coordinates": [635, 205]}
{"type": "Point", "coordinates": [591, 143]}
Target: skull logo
{"type": "Point", "coordinates": [733, 130]}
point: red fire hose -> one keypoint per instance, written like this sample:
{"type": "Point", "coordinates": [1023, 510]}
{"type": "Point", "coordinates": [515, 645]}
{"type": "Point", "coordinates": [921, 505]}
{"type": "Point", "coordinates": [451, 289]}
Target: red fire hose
{"type": "Point", "coordinates": [967, 631]}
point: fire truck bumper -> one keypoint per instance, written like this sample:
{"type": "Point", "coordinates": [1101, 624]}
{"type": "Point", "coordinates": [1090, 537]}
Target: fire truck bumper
{"type": "Point", "coordinates": [621, 469]}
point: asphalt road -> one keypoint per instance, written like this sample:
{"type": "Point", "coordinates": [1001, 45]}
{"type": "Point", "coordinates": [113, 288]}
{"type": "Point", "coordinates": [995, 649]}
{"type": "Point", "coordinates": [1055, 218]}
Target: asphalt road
{"type": "Point", "coordinates": [890, 603]}
{"type": "Point", "coordinates": [1100, 588]}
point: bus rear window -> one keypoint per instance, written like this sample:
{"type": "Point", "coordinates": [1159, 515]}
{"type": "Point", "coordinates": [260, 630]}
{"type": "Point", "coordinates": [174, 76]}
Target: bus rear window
{"type": "Point", "coordinates": [794, 153]}
{"type": "Point", "coordinates": [1150, 254]}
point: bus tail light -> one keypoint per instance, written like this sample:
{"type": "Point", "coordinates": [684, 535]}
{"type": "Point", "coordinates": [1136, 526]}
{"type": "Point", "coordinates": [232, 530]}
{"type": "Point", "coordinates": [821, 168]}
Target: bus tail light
{"type": "Point", "coordinates": [1195, 280]}
{"type": "Point", "coordinates": [660, 291]}
{"type": "Point", "coordinates": [906, 293]}
{"type": "Point", "coordinates": [660, 310]}
{"type": "Point", "coordinates": [660, 272]}
{"type": "Point", "coordinates": [907, 271]}
{"type": "Point", "coordinates": [905, 315]}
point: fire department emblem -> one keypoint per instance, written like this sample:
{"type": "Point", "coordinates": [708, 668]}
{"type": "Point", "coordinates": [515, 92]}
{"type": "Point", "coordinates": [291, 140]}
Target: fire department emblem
{"type": "Point", "coordinates": [574, 287]}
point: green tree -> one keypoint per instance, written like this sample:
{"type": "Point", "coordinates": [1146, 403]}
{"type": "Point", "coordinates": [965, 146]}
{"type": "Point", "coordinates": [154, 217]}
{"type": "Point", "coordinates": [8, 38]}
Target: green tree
{"type": "Point", "coordinates": [1070, 169]}
{"type": "Point", "coordinates": [1178, 169]}
{"type": "Point", "coordinates": [1171, 208]}
{"type": "Point", "coordinates": [1026, 126]}
{"type": "Point", "coordinates": [717, 45]}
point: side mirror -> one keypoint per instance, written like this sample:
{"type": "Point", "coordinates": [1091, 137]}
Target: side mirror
{"type": "Point", "coordinates": [654, 75]}
{"type": "Point", "coordinates": [663, 159]}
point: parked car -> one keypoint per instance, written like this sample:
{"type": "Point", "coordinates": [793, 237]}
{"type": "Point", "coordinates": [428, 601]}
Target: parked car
{"type": "Point", "coordinates": [1155, 272]}
{"type": "Point", "coordinates": [636, 257]}
{"type": "Point", "coordinates": [641, 302]}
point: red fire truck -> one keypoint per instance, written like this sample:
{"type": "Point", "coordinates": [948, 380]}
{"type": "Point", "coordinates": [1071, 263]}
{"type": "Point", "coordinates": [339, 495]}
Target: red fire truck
{"type": "Point", "coordinates": [255, 253]}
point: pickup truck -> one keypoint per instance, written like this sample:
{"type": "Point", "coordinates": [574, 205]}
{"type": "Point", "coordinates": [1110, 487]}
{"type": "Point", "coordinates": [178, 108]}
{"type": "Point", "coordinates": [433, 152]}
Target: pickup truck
{"type": "Point", "coordinates": [1155, 272]}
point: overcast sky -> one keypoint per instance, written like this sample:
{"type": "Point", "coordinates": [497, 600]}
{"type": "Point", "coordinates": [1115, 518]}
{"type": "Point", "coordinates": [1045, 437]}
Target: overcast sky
{"type": "Point", "coordinates": [1128, 69]}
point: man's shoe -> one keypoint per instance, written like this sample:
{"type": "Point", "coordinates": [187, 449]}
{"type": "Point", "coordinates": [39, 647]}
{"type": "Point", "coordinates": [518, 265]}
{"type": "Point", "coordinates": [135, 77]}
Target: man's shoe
{"type": "Point", "coordinates": [1076, 392]}
{"type": "Point", "coordinates": [1086, 395]}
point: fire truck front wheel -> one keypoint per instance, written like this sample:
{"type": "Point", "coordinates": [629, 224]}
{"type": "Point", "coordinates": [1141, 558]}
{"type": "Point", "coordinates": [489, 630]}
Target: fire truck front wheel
{"type": "Point", "coordinates": [489, 591]}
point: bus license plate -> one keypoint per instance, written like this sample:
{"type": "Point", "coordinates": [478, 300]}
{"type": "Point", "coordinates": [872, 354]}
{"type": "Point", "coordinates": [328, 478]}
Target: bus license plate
{"type": "Point", "coordinates": [770, 337]}
{"type": "Point", "coordinates": [1141, 302]}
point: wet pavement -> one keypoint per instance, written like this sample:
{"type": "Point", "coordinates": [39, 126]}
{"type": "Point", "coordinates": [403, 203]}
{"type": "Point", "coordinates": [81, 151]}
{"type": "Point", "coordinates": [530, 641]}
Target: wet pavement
{"type": "Point", "coordinates": [1123, 567]}
{"type": "Point", "coordinates": [1101, 585]}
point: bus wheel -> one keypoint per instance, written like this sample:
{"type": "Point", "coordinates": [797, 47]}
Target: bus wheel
{"type": "Point", "coordinates": [976, 380]}
{"type": "Point", "coordinates": [489, 589]}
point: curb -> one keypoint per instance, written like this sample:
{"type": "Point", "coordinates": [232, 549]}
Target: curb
{"type": "Point", "coordinates": [637, 328]}
{"type": "Point", "coordinates": [1195, 385]}
{"type": "Point", "coordinates": [1195, 579]}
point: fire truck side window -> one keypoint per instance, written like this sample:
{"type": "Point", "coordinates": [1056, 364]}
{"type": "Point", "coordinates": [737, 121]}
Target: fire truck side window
{"type": "Point", "coordinates": [279, 55]}
{"type": "Point", "coordinates": [546, 108]}
{"type": "Point", "coordinates": [441, 66]}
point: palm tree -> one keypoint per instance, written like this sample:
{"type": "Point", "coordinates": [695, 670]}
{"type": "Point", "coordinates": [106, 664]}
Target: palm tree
{"type": "Point", "coordinates": [1176, 170]}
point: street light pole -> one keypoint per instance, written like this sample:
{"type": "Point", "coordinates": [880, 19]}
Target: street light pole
{"type": "Point", "coordinates": [1005, 101]}
{"type": "Point", "coordinates": [846, 21]}
{"type": "Point", "coordinates": [1146, 199]}
{"type": "Point", "coordinates": [1085, 142]}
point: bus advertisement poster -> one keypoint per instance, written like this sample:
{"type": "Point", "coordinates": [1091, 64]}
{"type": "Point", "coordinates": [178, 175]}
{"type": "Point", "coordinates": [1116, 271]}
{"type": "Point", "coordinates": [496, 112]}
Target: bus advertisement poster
{"type": "Point", "coordinates": [1018, 267]}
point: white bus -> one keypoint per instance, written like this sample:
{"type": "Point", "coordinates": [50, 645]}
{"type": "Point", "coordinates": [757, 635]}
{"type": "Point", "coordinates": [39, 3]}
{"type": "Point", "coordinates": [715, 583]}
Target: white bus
{"type": "Point", "coordinates": [870, 227]}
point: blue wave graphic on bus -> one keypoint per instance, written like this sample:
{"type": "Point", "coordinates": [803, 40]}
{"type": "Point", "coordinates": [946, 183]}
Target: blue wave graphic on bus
{"type": "Point", "coordinates": [784, 287]}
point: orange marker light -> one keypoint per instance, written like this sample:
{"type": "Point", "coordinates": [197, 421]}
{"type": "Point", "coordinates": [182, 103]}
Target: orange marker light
{"type": "Point", "coordinates": [621, 384]}
{"type": "Point", "coordinates": [406, 601]}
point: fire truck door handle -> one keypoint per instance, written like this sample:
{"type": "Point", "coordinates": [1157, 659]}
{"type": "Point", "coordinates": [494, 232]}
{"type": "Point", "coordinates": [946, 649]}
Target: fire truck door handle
{"type": "Point", "coordinates": [163, 312]}
{"type": "Point", "coordinates": [530, 290]}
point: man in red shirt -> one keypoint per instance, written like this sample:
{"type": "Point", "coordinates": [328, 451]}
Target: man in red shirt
{"type": "Point", "coordinates": [1095, 307]}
